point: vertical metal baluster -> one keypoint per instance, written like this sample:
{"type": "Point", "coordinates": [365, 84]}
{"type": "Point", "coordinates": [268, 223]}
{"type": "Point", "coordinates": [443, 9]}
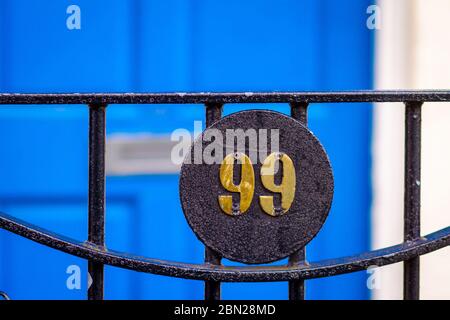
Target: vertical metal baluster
{"type": "Point", "coordinates": [297, 287]}
{"type": "Point", "coordinates": [299, 111]}
{"type": "Point", "coordinates": [212, 288]}
{"type": "Point", "coordinates": [411, 268]}
{"type": "Point", "coordinates": [96, 229]}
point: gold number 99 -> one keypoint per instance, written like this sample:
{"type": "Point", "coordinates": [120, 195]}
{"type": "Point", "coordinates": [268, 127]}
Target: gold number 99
{"type": "Point", "coordinates": [246, 187]}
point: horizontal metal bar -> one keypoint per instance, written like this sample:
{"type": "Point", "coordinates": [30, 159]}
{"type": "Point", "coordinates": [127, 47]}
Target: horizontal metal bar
{"type": "Point", "coordinates": [331, 267]}
{"type": "Point", "coordinates": [208, 97]}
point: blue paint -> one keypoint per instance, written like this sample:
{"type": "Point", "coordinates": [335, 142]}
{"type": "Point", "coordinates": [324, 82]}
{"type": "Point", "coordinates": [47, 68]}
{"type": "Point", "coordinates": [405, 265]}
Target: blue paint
{"type": "Point", "coordinates": [162, 46]}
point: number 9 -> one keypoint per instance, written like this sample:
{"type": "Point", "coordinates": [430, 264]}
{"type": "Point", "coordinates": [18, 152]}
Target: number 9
{"type": "Point", "coordinates": [246, 187]}
{"type": "Point", "coordinates": [286, 188]}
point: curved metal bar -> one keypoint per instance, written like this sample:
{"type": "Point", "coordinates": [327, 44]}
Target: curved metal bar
{"type": "Point", "coordinates": [381, 257]}
{"type": "Point", "coordinates": [226, 97]}
{"type": "Point", "coordinates": [4, 296]}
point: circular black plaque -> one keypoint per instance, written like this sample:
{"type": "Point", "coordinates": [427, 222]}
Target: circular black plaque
{"type": "Point", "coordinates": [255, 236]}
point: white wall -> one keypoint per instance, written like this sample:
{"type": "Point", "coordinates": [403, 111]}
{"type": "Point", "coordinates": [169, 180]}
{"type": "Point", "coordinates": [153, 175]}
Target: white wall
{"type": "Point", "coordinates": [412, 52]}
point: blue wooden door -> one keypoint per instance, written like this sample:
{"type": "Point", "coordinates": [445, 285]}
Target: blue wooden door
{"type": "Point", "coordinates": [157, 46]}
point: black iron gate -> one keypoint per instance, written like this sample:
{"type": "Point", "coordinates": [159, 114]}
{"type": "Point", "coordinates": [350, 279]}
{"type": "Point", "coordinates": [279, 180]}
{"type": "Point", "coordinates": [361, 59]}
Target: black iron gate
{"type": "Point", "coordinates": [212, 272]}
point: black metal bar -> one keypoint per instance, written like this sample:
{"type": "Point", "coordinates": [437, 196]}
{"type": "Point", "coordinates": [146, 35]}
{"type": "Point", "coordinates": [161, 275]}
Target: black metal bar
{"type": "Point", "coordinates": [212, 288]}
{"type": "Point", "coordinates": [413, 119]}
{"type": "Point", "coordinates": [4, 296]}
{"type": "Point", "coordinates": [299, 111]}
{"type": "Point", "coordinates": [297, 287]}
{"type": "Point", "coordinates": [213, 113]}
{"type": "Point", "coordinates": [96, 229]}
{"type": "Point", "coordinates": [324, 268]}
{"type": "Point", "coordinates": [226, 97]}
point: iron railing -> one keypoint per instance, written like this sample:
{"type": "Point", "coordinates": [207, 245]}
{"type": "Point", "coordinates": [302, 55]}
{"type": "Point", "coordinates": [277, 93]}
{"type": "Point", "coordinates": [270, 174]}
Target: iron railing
{"type": "Point", "coordinates": [212, 272]}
